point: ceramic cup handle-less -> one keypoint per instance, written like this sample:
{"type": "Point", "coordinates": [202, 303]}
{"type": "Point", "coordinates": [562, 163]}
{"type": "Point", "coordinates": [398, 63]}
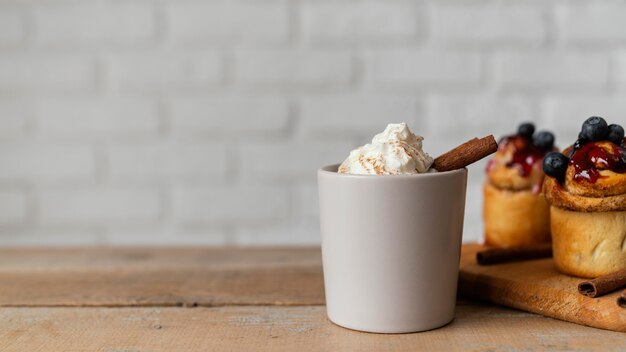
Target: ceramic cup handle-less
{"type": "Point", "coordinates": [391, 248]}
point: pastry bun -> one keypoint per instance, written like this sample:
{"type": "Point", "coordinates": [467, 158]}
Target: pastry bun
{"type": "Point", "coordinates": [586, 190]}
{"type": "Point", "coordinates": [515, 218]}
{"type": "Point", "coordinates": [588, 244]}
{"type": "Point", "coordinates": [515, 212]}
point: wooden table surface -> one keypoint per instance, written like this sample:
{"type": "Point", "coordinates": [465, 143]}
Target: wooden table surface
{"type": "Point", "coordinates": [211, 299]}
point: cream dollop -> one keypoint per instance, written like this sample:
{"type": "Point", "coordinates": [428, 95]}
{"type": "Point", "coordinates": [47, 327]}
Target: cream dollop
{"type": "Point", "coordinates": [395, 151]}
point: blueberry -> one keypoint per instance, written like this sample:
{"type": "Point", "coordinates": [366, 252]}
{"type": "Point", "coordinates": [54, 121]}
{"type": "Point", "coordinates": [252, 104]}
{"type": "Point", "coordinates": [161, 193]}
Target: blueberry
{"type": "Point", "coordinates": [555, 165]}
{"type": "Point", "coordinates": [616, 134]}
{"type": "Point", "coordinates": [595, 129]}
{"type": "Point", "coordinates": [544, 140]}
{"type": "Point", "coordinates": [579, 143]}
{"type": "Point", "coordinates": [526, 129]}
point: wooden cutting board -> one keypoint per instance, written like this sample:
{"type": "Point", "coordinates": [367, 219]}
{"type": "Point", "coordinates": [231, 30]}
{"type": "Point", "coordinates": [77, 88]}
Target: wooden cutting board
{"type": "Point", "coordinates": [535, 286]}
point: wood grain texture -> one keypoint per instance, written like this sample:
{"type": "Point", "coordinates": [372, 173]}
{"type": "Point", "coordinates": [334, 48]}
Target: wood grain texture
{"type": "Point", "coordinates": [111, 258]}
{"type": "Point", "coordinates": [476, 328]}
{"type": "Point", "coordinates": [537, 287]}
{"type": "Point", "coordinates": [265, 299]}
{"type": "Point", "coordinates": [160, 277]}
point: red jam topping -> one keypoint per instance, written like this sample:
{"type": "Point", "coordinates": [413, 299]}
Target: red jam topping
{"type": "Point", "coordinates": [590, 159]}
{"type": "Point", "coordinates": [525, 154]}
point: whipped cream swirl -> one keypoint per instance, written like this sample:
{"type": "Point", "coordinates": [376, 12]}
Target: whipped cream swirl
{"type": "Point", "coordinates": [395, 151]}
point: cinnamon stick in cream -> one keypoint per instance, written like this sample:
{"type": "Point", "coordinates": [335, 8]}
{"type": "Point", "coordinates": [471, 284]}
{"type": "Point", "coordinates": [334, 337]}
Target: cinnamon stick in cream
{"type": "Point", "coordinates": [466, 154]}
{"type": "Point", "coordinates": [513, 254]}
{"type": "Point", "coordinates": [604, 284]}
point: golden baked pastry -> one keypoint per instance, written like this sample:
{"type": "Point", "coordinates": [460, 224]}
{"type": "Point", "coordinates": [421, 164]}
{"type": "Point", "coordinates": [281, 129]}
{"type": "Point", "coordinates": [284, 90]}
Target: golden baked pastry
{"type": "Point", "coordinates": [588, 244]}
{"type": "Point", "coordinates": [515, 218]}
{"type": "Point", "coordinates": [587, 195]}
{"type": "Point", "coordinates": [515, 212]}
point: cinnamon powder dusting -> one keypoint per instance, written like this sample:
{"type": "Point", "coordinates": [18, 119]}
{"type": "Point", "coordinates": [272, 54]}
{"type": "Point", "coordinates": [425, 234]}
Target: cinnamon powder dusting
{"type": "Point", "coordinates": [394, 151]}
{"type": "Point", "coordinates": [376, 164]}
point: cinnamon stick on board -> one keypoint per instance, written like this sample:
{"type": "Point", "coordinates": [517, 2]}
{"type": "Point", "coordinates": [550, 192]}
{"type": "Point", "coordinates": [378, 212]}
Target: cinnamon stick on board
{"type": "Point", "coordinates": [604, 284]}
{"type": "Point", "coordinates": [621, 300]}
{"type": "Point", "coordinates": [466, 154]}
{"type": "Point", "coordinates": [504, 255]}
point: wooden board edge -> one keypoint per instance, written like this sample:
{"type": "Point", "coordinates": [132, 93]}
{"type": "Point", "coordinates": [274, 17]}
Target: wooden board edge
{"type": "Point", "coordinates": [479, 287]}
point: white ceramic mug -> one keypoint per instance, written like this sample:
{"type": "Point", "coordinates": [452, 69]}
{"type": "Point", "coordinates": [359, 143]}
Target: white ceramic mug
{"type": "Point", "coordinates": [391, 247]}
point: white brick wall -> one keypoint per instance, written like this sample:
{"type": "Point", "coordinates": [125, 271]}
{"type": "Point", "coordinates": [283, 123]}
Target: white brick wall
{"type": "Point", "coordinates": [620, 70]}
{"type": "Point", "coordinates": [478, 112]}
{"type": "Point", "coordinates": [46, 73]}
{"type": "Point", "coordinates": [33, 162]}
{"type": "Point", "coordinates": [15, 116]}
{"type": "Point", "coordinates": [504, 24]}
{"type": "Point", "coordinates": [94, 23]}
{"type": "Point", "coordinates": [178, 161]}
{"type": "Point", "coordinates": [230, 205]}
{"type": "Point", "coordinates": [229, 114]}
{"type": "Point", "coordinates": [335, 116]}
{"type": "Point", "coordinates": [163, 71]}
{"type": "Point", "coordinates": [291, 68]}
{"type": "Point", "coordinates": [422, 68]}
{"type": "Point", "coordinates": [568, 71]}
{"type": "Point", "coordinates": [203, 122]}
{"type": "Point", "coordinates": [13, 207]}
{"type": "Point", "coordinates": [106, 205]}
{"type": "Point", "coordinates": [278, 163]}
{"type": "Point", "coordinates": [88, 118]}
{"type": "Point", "coordinates": [11, 27]}
{"type": "Point", "coordinates": [558, 109]}
{"type": "Point", "coordinates": [341, 21]}
{"type": "Point", "coordinates": [228, 21]}
{"type": "Point", "coordinates": [595, 23]}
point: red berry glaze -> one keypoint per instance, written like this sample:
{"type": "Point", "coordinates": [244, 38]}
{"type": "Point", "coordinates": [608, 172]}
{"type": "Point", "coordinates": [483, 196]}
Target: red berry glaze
{"type": "Point", "coordinates": [525, 153]}
{"type": "Point", "coordinates": [590, 159]}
